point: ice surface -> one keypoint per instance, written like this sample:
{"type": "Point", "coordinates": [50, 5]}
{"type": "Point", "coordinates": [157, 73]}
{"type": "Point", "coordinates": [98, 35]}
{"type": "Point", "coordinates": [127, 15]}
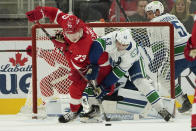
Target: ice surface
{"type": "Point", "coordinates": [21, 123]}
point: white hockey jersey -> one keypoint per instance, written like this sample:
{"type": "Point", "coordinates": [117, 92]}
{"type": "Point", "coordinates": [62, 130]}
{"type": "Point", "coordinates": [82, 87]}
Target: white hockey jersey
{"type": "Point", "coordinates": [122, 60]}
{"type": "Point", "coordinates": [128, 56]}
{"type": "Point", "coordinates": [181, 35]}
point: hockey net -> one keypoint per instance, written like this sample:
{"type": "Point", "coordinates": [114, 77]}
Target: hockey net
{"type": "Point", "coordinates": [50, 68]}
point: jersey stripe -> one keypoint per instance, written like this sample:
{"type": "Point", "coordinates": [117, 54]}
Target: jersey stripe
{"type": "Point", "coordinates": [118, 72]}
{"type": "Point", "coordinates": [102, 43]}
{"type": "Point", "coordinates": [179, 51]}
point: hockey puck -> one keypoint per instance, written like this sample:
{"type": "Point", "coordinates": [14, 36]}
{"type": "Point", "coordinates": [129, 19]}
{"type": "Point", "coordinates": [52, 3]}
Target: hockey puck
{"type": "Point", "coordinates": [108, 124]}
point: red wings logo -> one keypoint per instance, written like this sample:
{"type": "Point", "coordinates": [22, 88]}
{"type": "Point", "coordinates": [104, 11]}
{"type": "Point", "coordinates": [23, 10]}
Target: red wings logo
{"type": "Point", "coordinates": [18, 60]}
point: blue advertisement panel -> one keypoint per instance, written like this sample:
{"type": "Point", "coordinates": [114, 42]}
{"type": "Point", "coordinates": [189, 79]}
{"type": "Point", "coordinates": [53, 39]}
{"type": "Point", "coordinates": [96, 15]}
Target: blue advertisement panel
{"type": "Point", "coordinates": [15, 75]}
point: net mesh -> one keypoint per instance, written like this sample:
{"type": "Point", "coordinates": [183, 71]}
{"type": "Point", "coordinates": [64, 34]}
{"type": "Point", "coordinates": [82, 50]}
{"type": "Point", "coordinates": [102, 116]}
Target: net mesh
{"type": "Point", "coordinates": [53, 70]}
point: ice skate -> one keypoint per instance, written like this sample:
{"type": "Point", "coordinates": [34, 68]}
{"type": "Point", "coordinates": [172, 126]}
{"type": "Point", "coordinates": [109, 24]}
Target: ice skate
{"type": "Point", "coordinates": [165, 114]}
{"type": "Point", "coordinates": [193, 129]}
{"type": "Point", "coordinates": [95, 111]}
{"type": "Point", "coordinates": [93, 116]}
{"type": "Point", "coordinates": [186, 105]}
{"type": "Point", "coordinates": [69, 116]}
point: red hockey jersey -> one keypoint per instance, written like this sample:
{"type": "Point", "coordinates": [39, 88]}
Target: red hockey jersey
{"type": "Point", "coordinates": [191, 44]}
{"type": "Point", "coordinates": [77, 56]}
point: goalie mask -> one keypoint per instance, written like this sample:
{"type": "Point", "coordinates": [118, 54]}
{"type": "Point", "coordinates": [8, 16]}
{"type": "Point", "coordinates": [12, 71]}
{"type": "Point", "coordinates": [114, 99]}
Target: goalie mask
{"type": "Point", "coordinates": [73, 28]}
{"type": "Point", "coordinates": [124, 39]}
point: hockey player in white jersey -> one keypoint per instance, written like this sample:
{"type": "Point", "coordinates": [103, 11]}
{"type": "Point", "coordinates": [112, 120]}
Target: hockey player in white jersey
{"type": "Point", "coordinates": [154, 11]}
{"type": "Point", "coordinates": [122, 49]}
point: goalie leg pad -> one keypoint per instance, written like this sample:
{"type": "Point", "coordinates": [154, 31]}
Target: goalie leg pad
{"type": "Point", "coordinates": [135, 102]}
{"type": "Point", "coordinates": [145, 86]}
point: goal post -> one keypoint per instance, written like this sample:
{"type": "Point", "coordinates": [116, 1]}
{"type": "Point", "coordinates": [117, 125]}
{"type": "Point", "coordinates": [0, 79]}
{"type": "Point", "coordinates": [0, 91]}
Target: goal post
{"type": "Point", "coordinates": [154, 39]}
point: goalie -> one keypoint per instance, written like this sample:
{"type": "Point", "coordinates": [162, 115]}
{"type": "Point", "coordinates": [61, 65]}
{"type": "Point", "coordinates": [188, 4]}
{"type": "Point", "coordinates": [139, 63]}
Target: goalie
{"type": "Point", "coordinates": [123, 56]}
{"type": "Point", "coordinates": [154, 11]}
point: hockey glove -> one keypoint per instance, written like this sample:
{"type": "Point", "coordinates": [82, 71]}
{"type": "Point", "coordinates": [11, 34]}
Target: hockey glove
{"type": "Point", "coordinates": [100, 92]}
{"type": "Point", "coordinates": [59, 41]}
{"type": "Point", "coordinates": [59, 37]}
{"type": "Point", "coordinates": [192, 53]}
{"type": "Point", "coordinates": [35, 14]}
{"type": "Point", "coordinates": [29, 50]}
{"type": "Point", "coordinates": [92, 72]}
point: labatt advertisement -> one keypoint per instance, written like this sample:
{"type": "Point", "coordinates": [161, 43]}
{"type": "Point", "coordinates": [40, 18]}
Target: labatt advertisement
{"type": "Point", "coordinates": [15, 75]}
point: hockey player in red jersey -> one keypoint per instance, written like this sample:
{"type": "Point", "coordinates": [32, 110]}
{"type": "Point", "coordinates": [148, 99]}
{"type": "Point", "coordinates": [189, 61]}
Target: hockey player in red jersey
{"type": "Point", "coordinates": [190, 54]}
{"type": "Point", "coordinates": [190, 49]}
{"type": "Point", "coordinates": [75, 43]}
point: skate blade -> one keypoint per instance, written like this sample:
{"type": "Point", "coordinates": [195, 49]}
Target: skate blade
{"type": "Point", "coordinates": [90, 120]}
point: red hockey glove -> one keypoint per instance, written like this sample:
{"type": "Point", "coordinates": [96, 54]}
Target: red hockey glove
{"type": "Point", "coordinates": [35, 14]}
{"type": "Point", "coordinates": [29, 50]}
{"type": "Point", "coordinates": [190, 51]}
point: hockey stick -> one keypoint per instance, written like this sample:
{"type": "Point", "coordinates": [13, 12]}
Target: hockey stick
{"type": "Point", "coordinates": [44, 30]}
{"type": "Point", "coordinates": [47, 34]}
{"type": "Point", "coordinates": [123, 11]}
{"type": "Point", "coordinates": [91, 82]}
{"type": "Point", "coordinates": [14, 50]}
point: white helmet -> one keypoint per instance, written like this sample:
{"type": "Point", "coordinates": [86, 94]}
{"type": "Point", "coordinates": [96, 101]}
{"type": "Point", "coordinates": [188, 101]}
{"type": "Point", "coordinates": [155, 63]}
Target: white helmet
{"type": "Point", "coordinates": [153, 6]}
{"type": "Point", "coordinates": [124, 37]}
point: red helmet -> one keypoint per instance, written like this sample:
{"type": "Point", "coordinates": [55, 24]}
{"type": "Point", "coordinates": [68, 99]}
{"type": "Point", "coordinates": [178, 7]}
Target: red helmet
{"type": "Point", "coordinates": [72, 24]}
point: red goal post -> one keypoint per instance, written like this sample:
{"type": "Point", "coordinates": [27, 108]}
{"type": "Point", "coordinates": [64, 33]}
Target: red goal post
{"type": "Point", "coordinates": [135, 27]}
